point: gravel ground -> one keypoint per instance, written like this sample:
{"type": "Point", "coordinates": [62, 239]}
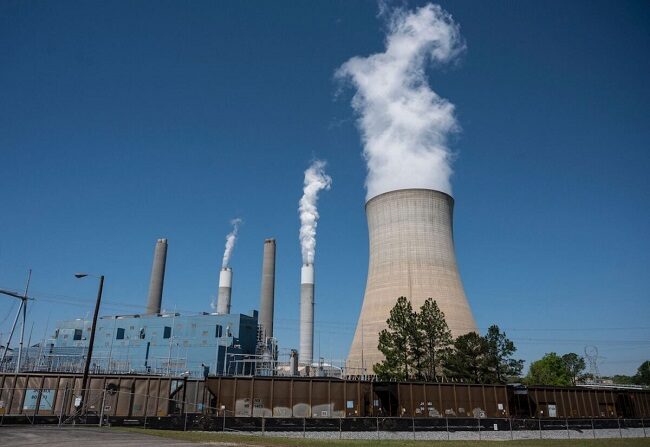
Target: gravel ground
{"type": "Point", "coordinates": [461, 435]}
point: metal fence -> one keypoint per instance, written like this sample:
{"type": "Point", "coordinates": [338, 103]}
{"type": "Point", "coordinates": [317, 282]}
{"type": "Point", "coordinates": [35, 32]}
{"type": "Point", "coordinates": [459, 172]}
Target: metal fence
{"type": "Point", "coordinates": [427, 428]}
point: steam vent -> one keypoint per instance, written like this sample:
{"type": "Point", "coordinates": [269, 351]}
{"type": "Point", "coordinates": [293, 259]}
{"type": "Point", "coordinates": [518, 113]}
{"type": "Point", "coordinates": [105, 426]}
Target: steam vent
{"type": "Point", "coordinates": [412, 255]}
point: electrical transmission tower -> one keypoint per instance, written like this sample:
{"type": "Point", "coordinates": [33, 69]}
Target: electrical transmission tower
{"type": "Point", "coordinates": [591, 354]}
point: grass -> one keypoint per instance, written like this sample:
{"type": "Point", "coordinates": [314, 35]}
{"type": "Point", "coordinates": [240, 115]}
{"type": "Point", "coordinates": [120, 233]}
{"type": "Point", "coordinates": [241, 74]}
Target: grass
{"type": "Point", "coordinates": [251, 440]}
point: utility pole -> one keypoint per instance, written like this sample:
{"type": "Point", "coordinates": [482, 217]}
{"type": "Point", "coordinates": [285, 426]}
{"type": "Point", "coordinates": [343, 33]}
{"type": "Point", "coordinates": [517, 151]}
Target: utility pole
{"type": "Point", "coordinates": [23, 307]}
{"type": "Point", "coordinates": [84, 380]}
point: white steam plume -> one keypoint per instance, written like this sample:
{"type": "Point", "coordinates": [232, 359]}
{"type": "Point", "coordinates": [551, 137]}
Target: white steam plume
{"type": "Point", "coordinates": [315, 181]}
{"type": "Point", "coordinates": [230, 242]}
{"type": "Point", "coordinates": [404, 124]}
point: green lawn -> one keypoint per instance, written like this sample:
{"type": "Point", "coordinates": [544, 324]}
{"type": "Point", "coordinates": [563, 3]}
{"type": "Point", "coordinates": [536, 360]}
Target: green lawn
{"type": "Point", "coordinates": [306, 442]}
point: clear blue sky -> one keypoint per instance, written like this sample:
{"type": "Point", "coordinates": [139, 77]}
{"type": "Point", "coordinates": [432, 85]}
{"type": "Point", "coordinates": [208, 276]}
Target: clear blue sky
{"type": "Point", "coordinates": [123, 122]}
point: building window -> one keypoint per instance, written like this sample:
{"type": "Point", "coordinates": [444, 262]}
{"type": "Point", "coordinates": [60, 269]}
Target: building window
{"type": "Point", "coordinates": [77, 334]}
{"type": "Point", "coordinates": [120, 333]}
{"type": "Point", "coordinates": [168, 332]}
{"type": "Point", "coordinates": [218, 331]}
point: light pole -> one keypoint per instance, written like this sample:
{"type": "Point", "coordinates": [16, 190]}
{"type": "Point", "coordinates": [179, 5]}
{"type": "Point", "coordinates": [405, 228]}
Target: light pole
{"type": "Point", "coordinates": [84, 379]}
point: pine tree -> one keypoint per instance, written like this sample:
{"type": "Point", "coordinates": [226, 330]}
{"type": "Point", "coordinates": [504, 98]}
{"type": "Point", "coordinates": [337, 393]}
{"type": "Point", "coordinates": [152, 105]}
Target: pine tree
{"type": "Point", "coordinates": [436, 339]}
{"type": "Point", "coordinates": [499, 364]}
{"type": "Point", "coordinates": [396, 343]}
{"type": "Point", "coordinates": [467, 361]}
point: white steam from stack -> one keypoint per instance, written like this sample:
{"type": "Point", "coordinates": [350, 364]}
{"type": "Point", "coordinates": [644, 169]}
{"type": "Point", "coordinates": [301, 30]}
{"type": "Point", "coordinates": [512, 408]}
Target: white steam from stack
{"type": "Point", "coordinates": [315, 181]}
{"type": "Point", "coordinates": [230, 242]}
{"type": "Point", "coordinates": [404, 124]}
{"type": "Point", "coordinates": [225, 275]}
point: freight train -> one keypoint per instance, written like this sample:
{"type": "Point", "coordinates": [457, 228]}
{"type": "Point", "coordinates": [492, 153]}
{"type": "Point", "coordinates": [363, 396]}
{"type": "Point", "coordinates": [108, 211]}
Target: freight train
{"type": "Point", "coordinates": [36, 394]}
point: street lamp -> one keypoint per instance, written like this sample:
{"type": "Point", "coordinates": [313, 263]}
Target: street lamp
{"type": "Point", "coordinates": [84, 380]}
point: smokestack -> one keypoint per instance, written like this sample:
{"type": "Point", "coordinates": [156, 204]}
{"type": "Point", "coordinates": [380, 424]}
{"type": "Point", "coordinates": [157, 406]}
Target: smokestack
{"type": "Point", "coordinates": [412, 255]}
{"type": "Point", "coordinates": [157, 277]}
{"type": "Point", "coordinates": [307, 313]}
{"type": "Point", "coordinates": [267, 295]}
{"type": "Point", "coordinates": [225, 289]}
{"type": "Point", "coordinates": [293, 363]}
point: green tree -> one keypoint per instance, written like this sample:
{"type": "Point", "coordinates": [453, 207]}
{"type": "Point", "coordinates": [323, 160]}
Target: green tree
{"type": "Point", "coordinates": [575, 365]}
{"type": "Point", "coordinates": [642, 376]}
{"type": "Point", "coordinates": [436, 339]}
{"type": "Point", "coordinates": [549, 370]}
{"type": "Point", "coordinates": [499, 364]}
{"type": "Point", "coordinates": [395, 342]}
{"type": "Point", "coordinates": [621, 379]}
{"type": "Point", "coordinates": [390, 368]}
{"type": "Point", "coordinates": [467, 361]}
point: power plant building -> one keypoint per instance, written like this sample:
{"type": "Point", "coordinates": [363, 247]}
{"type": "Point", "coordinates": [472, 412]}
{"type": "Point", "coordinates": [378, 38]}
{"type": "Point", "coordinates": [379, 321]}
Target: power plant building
{"type": "Point", "coordinates": [412, 255]}
{"type": "Point", "coordinates": [166, 344]}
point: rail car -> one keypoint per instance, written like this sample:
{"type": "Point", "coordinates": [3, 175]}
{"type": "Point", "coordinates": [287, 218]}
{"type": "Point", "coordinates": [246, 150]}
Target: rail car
{"type": "Point", "coordinates": [48, 394]}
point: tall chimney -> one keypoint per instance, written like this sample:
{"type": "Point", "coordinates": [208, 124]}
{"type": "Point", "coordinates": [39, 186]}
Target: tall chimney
{"type": "Point", "coordinates": [412, 255]}
{"type": "Point", "coordinates": [157, 277]}
{"type": "Point", "coordinates": [307, 313]}
{"type": "Point", "coordinates": [225, 289]}
{"type": "Point", "coordinates": [267, 295]}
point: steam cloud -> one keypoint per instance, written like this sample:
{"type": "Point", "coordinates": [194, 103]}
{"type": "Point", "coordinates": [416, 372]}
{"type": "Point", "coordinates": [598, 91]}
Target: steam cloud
{"type": "Point", "coordinates": [230, 242]}
{"type": "Point", "coordinates": [315, 181]}
{"type": "Point", "coordinates": [404, 124]}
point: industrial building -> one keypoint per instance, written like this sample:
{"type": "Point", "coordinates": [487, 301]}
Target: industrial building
{"type": "Point", "coordinates": [412, 255]}
{"type": "Point", "coordinates": [168, 343]}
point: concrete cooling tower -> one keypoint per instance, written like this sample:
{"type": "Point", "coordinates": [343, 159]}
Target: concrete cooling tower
{"type": "Point", "coordinates": [412, 255]}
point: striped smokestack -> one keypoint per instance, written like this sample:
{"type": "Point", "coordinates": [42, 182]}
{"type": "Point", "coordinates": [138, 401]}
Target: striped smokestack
{"type": "Point", "coordinates": [307, 313]}
{"type": "Point", "coordinates": [225, 290]}
{"type": "Point", "coordinates": [157, 277]}
{"type": "Point", "coordinates": [267, 294]}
